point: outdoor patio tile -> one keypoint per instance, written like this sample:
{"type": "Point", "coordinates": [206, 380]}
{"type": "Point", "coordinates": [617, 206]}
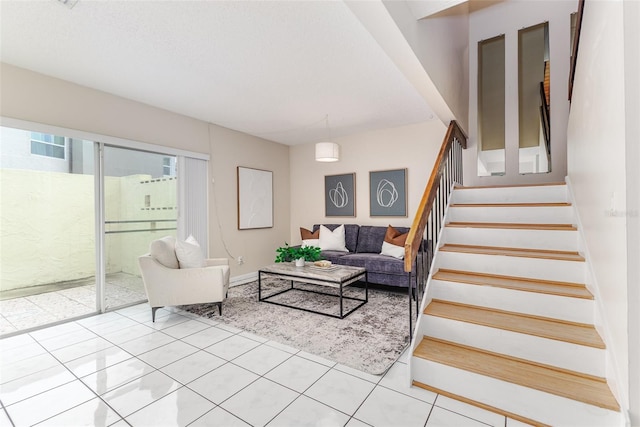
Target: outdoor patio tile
{"type": "Point", "coordinates": [6, 327]}
{"type": "Point", "coordinates": [49, 403]}
{"type": "Point", "coordinates": [180, 408]}
{"type": "Point", "coordinates": [36, 383]}
{"type": "Point", "coordinates": [386, 407]}
{"type": "Point", "coordinates": [92, 413]}
{"type": "Point", "coordinates": [259, 402]}
{"type": "Point", "coordinates": [397, 379]}
{"type": "Point", "coordinates": [193, 366]}
{"type": "Point", "coordinates": [220, 417]}
{"type": "Point", "coordinates": [207, 337]}
{"type": "Point", "coordinates": [147, 343]}
{"type": "Point", "coordinates": [223, 382]}
{"type": "Point", "coordinates": [33, 320]}
{"type": "Point", "coordinates": [167, 354]}
{"type": "Point", "coordinates": [341, 391]}
{"type": "Point", "coordinates": [262, 359]}
{"type": "Point", "coordinates": [479, 414]}
{"type": "Point", "coordinates": [135, 395]}
{"type": "Point", "coordinates": [232, 347]}
{"type": "Point", "coordinates": [441, 417]}
{"type": "Point", "coordinates": [308, 412]}
{"type": "Point", "coordinates": [94, 362]}
{"type": "Point", "coordinates": [297, 373]}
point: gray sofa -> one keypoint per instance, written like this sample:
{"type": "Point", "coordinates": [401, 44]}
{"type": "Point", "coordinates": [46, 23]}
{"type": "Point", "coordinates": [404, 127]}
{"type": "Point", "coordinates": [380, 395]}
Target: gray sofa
{"type": "Point", "coordinates": [365, 243]}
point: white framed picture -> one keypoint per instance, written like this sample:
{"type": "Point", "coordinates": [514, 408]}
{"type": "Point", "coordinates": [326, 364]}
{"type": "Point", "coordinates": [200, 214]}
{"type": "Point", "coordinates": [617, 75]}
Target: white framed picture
{"type": "Point", "coordinates": [255, 198]}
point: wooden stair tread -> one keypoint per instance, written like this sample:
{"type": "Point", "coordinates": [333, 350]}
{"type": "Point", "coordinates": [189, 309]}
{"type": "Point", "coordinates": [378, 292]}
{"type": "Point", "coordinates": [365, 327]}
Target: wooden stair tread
{"type": "Point", "coordinates": [560, 382]}
{"type": "Point", "coordinates": [544, 184]}
{"type": "Point", "coordinates": [575, 333]}
{"type": "Point", "coordinates": [512, 226]}
{"type": "Point", "coordinates": [565, 289]}
{"type": "Point", "coordinates": [516, 252]}
{"type": "Point", "coordinates": [510, 205]}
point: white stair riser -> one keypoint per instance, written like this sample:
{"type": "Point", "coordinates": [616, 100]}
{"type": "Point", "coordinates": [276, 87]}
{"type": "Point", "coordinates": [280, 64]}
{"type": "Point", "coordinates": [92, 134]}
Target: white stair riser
{"type": "Point", "coordinates": [571, 309]}
{"type": "Point", "coordinates": [536, 405]}
{"type": "Point", "coordinates": [541, 194]}
{"type": "Point", "coordinates": [546, 351]}
{"type": "Point", "coordinates": [555, 240]}
{"type": "Point", "coordinates": [533, 268]}
{"type": "Point", "coordinates": [519, 215]}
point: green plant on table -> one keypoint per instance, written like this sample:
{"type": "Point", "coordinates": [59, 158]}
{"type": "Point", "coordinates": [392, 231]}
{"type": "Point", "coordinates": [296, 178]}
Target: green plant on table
{"type": "Point", "coordinates": [288, 253]}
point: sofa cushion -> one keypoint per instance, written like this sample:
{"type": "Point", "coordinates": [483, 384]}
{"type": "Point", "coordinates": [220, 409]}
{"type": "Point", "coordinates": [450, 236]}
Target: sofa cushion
{"type": "Point", "coordinates": [334, 256]}
{"type": "Point", "coordinates": [332, 240]}
{"type": "Point", "coordinates": [306, 234]}
{"type": "Point", "coordinates": [189, 253]}
{"type": "Point", "coordinates": [163, 250]}
{"type": "Point", "coordinates": [350, 234]}
{"type": "Point", "coordinates": [374, 263]}
{"type": "Point", "coordinates": [370, 239]}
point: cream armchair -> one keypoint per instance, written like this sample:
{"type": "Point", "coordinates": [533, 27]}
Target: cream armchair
{"type": "Point", "coordinates": [168, 286]}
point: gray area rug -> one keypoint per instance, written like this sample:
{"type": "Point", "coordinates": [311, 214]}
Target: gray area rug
{"type": "Point", "coordinates": [370, 339]}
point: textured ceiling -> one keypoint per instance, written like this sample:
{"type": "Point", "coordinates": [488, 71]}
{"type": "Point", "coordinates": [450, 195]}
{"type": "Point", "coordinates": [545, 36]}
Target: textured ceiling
{"type": "Point", "coordinates": [271, 69]}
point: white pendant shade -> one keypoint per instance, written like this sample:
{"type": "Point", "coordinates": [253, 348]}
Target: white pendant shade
{"type": "Point", "coordinates": [327, 152]}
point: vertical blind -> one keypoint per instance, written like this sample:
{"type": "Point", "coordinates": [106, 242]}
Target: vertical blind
{"type": "Point", "coordinates": [193, 201]}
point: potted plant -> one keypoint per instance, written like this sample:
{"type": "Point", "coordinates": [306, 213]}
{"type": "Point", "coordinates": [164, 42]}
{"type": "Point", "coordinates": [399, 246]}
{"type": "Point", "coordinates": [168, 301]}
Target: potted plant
{"type": "Point", "coordinates": [300, 254]}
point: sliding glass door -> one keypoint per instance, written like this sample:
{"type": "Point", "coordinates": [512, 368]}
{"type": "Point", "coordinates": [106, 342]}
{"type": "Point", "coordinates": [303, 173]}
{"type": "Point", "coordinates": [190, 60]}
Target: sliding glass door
{"type": "Point", "coordinates": [47, 229]}
{"type": "Point", "coordinates": [140, 205]}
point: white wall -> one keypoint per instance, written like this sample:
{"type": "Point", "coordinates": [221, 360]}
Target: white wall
{"type": "Point", "coordinates": [38, 98]}
{"type": "Point", "coordinates": [441, 45]}
{"type": "Point", "coordinates": [599, 173]}
{"type": "Point", "coordinates": [507, 18]}
{"type": "Point", "coordinates": [414, 147]}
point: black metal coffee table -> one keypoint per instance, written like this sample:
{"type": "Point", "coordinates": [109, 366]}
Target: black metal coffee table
{"type": "Point", "coordinates": [337, 277]}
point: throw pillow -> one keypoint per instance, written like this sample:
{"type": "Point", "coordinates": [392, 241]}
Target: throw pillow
{"type": "Point", "coordinates": [310, 242]}
{"type": "Point", "coordinates": [163, 250]}
{"type": "Point", "coordinates": [308, 235]}
{"type": "Point", "coordinates": [393, 244]}
{"type": "Point", "coordinates": [332, 240]}
{"type": "Point", "coordinates": [189, 253]}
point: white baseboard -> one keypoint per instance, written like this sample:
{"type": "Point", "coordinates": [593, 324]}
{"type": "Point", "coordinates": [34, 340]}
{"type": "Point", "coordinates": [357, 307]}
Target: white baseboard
{"type": "Point", "coordinates": [245, 278]}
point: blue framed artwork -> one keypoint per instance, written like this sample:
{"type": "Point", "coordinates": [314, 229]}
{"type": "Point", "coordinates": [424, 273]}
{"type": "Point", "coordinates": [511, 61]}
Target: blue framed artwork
{"type": "Point", "coordinates": [388, 193]}
{"type": "Point", "coordinates": [340, 195]}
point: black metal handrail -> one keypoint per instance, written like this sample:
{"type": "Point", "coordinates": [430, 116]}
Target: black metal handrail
{"type": "Point", "coordinates": [545, 119]}
{"type": "Point", "coordinates": [428, 220]}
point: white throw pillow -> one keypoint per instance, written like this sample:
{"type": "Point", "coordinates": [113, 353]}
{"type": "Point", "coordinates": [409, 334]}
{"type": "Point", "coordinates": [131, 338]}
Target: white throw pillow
{"type": "Point", "coordinates": [163, 250]}
{"type": "Point", "coordinates": [189, 253]}
{"type": "Point", "coordinates": [332, 240]}
{"type": "Point", "coordinates": [310, 242]}
{"type": "Point", "coordinates": [392, 250]}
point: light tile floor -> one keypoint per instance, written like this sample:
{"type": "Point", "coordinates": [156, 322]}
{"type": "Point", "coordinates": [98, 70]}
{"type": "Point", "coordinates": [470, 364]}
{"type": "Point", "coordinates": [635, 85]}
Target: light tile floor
{"type": "Point", "coordinates": [121, 369]}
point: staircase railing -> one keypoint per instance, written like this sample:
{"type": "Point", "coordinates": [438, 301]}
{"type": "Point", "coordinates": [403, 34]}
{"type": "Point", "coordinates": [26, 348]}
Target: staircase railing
{"type": "Point", "coordinates": [545, 119]}
{"type": "Point", "coordinates": [574, 48]}
{"type": "Point", "coordinates": [446, 172]}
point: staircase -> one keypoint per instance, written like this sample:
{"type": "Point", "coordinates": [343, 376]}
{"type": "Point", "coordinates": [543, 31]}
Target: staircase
{"type": "Point", "coordinates": [507, 323]}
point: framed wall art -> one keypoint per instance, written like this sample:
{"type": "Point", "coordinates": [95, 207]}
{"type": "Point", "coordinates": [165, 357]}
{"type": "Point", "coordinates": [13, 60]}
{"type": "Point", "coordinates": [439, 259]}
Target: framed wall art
{"type": "Point", "coordinates": [388, 193]}
{"type": "Point", "coordinates": [340, 195]}
{"type": "Point", "coordinates": [255, 198]}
